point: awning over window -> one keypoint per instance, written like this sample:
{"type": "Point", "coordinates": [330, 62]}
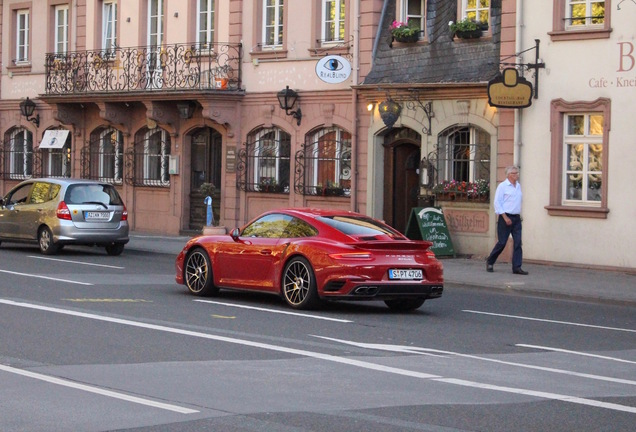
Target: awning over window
{"type": "Point", "coordinates": [54, 139]}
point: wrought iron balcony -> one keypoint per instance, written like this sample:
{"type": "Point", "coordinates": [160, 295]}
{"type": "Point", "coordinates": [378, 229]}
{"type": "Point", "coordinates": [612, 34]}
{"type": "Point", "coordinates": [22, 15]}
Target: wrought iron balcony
{"type": "Point", "coordinates": [178, 67]}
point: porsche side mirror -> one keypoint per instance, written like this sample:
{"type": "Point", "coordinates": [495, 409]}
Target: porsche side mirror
{"type": "Point", "coordinates": [235, 234]}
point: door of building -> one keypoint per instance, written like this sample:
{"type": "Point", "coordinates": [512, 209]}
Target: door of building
{"type": "Point", "coordinates": [206, 168]}
{"type": "Point", "coordinates": [401, 177]}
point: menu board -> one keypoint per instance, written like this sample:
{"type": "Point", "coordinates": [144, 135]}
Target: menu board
{"type": "Point", "coordinates": [429, 224]}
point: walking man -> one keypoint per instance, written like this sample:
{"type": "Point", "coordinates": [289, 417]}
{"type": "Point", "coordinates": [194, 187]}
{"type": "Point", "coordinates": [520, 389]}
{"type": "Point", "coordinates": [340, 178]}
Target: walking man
{"type": "Point", "coordinates": [508, 209]}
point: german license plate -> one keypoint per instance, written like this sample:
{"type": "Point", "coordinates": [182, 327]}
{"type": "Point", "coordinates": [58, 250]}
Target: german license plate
{"type": "Point", "coordinates": [405, 274]}
{"type": "Point", "coordinates": [96, 216]}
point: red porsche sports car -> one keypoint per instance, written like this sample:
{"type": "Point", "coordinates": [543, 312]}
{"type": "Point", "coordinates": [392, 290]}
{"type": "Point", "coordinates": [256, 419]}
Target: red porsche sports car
{"type": "Point", "coordinates": [309, 255]}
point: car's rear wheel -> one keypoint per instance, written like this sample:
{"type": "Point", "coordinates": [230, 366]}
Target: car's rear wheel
{"type": "Point", "coordinates": [198, 274]}
{"type": "Point", "coordinates": [299, 284]}
{"type": "Point", "coordinates": [46, 242]}
{"type": "Point", "coordinates": [404, 305]}
{"type": "Point", "coordinates": [115, 249]}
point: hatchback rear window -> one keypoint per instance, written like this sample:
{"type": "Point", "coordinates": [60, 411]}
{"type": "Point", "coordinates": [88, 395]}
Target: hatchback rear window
{"type": "Point", "coordinates": [92, 193]}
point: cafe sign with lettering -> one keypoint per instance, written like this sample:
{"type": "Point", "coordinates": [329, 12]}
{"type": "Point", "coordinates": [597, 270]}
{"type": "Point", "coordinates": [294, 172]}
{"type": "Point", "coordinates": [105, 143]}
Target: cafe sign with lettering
{"type": "Point", "coordinates": [509, 90]}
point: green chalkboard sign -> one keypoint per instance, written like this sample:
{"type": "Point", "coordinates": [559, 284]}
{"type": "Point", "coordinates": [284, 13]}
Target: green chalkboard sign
{"type": "Point", "coordinates": [429, 224]}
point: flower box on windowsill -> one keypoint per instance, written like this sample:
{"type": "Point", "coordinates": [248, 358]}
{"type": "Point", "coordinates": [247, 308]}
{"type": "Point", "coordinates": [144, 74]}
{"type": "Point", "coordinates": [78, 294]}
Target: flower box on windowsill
{"type": "Point", "coordinates": [468, 34]}
{"type": "Point", "coordinates": [457, 196]}
{"type": "Point", "coordinates": [407, 38]}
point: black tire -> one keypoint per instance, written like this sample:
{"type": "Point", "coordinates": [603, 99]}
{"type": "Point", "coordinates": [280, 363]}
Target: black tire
{"type": "Point", "coordinates": [404, 305]}
{"type": "Point", "coordinates": [298, 284]}
{"type": "Point", "coordinates": [197, 274]}
{"type": "Point", "coordinates": [115, 249]}
{"type": "Point", "coordinates": [46, 243]}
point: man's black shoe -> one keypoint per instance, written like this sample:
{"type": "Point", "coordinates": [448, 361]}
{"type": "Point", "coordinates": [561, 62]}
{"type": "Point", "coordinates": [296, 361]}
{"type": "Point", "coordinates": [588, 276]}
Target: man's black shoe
{"type": "Point", "coordinates": [520, 271]}
{"type": "Point", "coordinates": [489, 268]}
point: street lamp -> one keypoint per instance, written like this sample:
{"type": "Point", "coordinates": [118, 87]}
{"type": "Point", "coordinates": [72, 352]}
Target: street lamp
{"type": "Point", "coordinates": [287, 99]}
{"type": "Point", "coordinates": [186, 109]}
{"type": "Point", "coordinates": [27, 106]}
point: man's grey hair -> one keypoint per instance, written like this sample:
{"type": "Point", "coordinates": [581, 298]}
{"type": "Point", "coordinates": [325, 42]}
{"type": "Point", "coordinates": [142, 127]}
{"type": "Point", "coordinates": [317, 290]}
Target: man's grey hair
{"type": "Point", "coordinates": [511, 169]}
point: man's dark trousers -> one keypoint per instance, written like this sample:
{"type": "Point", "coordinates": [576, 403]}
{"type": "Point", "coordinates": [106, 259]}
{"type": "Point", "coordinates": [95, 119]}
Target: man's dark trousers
{"type": "Point", "coordinates": [503, 232]}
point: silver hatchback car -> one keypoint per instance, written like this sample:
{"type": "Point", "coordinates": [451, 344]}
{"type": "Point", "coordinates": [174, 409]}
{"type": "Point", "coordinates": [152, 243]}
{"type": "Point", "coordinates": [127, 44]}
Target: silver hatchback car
{"type": "Point", "coordinates": [57, 212]}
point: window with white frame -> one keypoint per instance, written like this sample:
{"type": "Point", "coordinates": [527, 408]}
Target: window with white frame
{"type": "Point", "coordinates": [579, 147]}
{"type": "Point", "coordinates": [109, 25]}
{"type": "Point", "coordinates": [272, 23]}
{"type": "Point", "coordinates": [20, 154]}
{"type": "Point", "coordinates": [22, 36]}
{"type": "Point", "coordinates": [327, 160]}
{"type": "Point", "coordinates": [61, 29]}
{"type": "Point", "coordinates": [584, 13]}
{"type": "Point", "coordinates": [156, 156]}
{"type": "Point", "coordinates": [333, 19]}
{"type": "Point", "coordinates": [268, 158]}
{"type": "Point", "coordinates": [414, 13]}
{"type": "Point", "coordinates": [583, 158]}
{"type": "Point", "coordinates": [107, 156]}
{"type": "Point", "coordinates": [205, 23]}
{"type": "Point", "coordinates": [477, 10]}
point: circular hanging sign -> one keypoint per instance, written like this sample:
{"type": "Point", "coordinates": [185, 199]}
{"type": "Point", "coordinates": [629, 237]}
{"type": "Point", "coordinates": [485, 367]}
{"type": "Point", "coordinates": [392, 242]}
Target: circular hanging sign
{"type": "Point", "coordinates": [333, 69]}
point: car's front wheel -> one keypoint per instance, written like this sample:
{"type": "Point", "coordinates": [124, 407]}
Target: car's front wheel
{"type": "Point", "coordinates": [46, 242]}
{"type": "Point", "coordinates": [198, 274]}
{"type": "Point", "coordinates": [404, 305]}
{"type": "Point", "coordinates": [299, 284]}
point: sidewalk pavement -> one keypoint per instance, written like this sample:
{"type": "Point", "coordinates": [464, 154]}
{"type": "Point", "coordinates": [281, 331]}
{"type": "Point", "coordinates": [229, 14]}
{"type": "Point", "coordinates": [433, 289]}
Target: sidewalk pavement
{"type": "Point", "coordinates": [545, 280]}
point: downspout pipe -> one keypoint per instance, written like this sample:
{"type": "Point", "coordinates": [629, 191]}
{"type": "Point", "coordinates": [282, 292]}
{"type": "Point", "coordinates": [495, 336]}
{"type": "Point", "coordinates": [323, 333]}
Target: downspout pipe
{"type": "Point", "coordinates": [354, 102]}
{"type": "Point", "coordinates": [518, 144]}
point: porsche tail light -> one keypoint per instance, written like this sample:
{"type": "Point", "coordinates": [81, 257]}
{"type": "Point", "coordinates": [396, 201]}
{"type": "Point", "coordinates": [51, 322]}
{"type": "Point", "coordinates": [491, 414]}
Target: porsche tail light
{"type": "Point", "coordinates": [124, 214]}
{"type": "Point", "coordinates": [62, 211]}
{"type": "Point", "coordinates": [351, 256]}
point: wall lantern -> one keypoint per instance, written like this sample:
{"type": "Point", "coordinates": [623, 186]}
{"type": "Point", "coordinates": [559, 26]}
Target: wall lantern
{"type": "Point", "coordinates": [27, 107]}
{"type": "Point", "coordinates": [389, 112]}
{"type": "Point", "coordinates": [426, 173]}
{"type": "Point", "coordinates": [287, 100]}
{"type": "Point", "coordinates": [186, 109]}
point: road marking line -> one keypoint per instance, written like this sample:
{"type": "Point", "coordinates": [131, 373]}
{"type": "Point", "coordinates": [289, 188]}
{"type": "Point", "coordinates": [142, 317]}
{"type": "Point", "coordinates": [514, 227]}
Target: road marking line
{"type": "Point", "coordinates": [576, 352]}
{"type": "Point", "coordinates": [539, 394]}
{"type": "Point", "coordinates": [275, 311]}
{"type": "Point", "coordinates": [435, 352]}
{"type": "Point", "coordinates": [551, 321]}
{"type": "Point", "coordinates": [106, 300]}
{"type": "Point", "coordinates": [97, 390]}
{"type": "Point", "coordinates": [46, 277]}
{"type": "Point", "coordinates": [76, 262]}
{"type": "Point", "coordinates": [327, 357]}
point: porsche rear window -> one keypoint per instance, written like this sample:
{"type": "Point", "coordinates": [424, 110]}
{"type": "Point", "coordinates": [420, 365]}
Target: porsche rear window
{"type": "Point", "coordinates": [354, 226]}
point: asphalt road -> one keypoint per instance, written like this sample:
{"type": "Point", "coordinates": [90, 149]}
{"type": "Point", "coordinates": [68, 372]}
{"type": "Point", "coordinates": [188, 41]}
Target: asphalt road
{"type": "Point", "coordinates": [90, 342]}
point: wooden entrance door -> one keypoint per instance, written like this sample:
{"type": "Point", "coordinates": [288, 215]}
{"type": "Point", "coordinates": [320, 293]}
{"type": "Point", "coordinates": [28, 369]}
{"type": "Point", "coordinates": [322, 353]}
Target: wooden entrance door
{"type": "Point", "coordinates": [401, 185]}
{"type": "Point", "coordinates": [205, 165]}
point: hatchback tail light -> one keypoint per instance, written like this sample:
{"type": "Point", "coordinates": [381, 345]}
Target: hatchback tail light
{"type": "Point", "coordinates": [62, 211]}
{"type": "Point", "coordinates": [124, 214]}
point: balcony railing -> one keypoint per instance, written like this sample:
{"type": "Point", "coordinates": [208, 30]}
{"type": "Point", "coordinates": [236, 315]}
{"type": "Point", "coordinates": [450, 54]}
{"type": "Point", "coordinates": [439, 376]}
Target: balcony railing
{"type": "Point", "coordinates": [178, 67]}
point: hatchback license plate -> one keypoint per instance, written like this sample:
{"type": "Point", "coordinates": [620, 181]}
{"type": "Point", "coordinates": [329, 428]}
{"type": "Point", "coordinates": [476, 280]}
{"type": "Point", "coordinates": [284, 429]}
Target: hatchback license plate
{"type": "Point", "coordinates": [405, 274]}
{"type": "Point", "coordinates": [96, 216]}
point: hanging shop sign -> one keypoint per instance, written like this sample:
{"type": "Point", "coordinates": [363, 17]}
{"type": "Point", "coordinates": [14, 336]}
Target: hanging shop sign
{"type": "Point", "coordinates": [333, 69]}
{"type": "Point", "coordinates": [54, 139]}
{"type": "Point", "coordinates": [509, 90]}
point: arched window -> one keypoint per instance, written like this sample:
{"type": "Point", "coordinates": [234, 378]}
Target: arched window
{"type": "Point", "coordinates": [265, 161]}
{"type": "Point", "coordinates": [327, 162]}
{"type": "Point", "coordinates": [151, 158]}
{"type": "Point", "coordinates": [19, 154]}
{"type": "Point", "coordinates": [105, 160]}
{"type": "Point", "coordinates": [464, 154]}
